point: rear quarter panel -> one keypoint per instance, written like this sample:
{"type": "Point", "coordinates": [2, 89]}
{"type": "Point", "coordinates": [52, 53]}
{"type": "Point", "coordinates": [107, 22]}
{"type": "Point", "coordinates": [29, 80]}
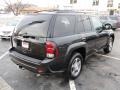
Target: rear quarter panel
{"type": "Point", "coordinates": [66, 45]}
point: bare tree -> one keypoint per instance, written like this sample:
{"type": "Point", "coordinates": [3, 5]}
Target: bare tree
{"type": "Point", "coordinates": [14, 7]}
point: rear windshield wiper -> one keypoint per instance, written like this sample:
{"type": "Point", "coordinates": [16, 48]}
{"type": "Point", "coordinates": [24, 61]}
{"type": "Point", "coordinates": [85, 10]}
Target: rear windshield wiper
{"type": "Point", "coordinates": [36, 22]}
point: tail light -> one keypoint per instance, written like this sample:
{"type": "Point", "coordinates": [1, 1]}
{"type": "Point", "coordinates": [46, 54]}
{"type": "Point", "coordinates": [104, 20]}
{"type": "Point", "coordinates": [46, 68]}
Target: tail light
{"type": "Point", "coordinates": [51, 49]}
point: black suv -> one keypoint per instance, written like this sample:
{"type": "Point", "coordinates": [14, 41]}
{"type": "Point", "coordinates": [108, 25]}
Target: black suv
{"type": "Point", "coordinates": [58, 41]}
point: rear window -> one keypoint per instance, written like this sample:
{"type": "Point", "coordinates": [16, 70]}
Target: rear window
{"type": "Point", "coordinates": [113, 17]}
{"type": "Point", "coordinates": [64, 25]}
{"type": "Point", "coordinates": [34, 25]}
{"type": "Point", "coordinates": [103, 17]}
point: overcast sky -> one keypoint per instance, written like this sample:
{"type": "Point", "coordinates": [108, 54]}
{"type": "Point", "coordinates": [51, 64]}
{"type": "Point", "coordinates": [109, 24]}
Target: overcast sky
{"type": "Point", "coordinates": [38, 2]}
{"type": "Point", "coordinates": [84, 4]}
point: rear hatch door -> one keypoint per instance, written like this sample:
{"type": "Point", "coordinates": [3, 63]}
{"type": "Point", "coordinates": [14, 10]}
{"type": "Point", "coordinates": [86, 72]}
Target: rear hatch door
{"type": "Point", "coordinates": [31, 34]}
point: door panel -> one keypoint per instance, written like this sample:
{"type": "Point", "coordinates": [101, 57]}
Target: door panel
{"type": "Point", "coordinates": [90, 35]}
{"type": "Point", "coordinates": [101, 40]}
{"type": "Point", "coordinates": [90, 39]}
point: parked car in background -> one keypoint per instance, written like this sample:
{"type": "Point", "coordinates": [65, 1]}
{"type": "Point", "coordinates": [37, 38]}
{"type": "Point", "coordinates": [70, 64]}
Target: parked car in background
{"type": "Point", "coordinates": [7, 29]}
{"type": "Point", "coordinates": [111, 21]}
{"type": "Point", "coordinates": [117, 19]}
{"type": "Point", "coordinates": [60, 41]}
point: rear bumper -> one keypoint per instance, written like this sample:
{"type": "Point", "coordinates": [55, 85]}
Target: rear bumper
{"type": "Point", "coordinates": [34, 65]}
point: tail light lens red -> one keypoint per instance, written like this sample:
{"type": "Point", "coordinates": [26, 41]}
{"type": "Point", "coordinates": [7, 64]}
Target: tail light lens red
{"type": "Point", "coordinates": [51, 49]}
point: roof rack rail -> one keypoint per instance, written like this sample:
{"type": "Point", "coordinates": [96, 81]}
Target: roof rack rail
{"type": "Point", "coordinates": [49, 10]}
{"type": "Point", "coordinates": [65, 11]}
{"type": "Point", "coordinates": [60, 11]}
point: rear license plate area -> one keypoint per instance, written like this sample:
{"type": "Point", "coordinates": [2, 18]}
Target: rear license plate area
{"type": "Point", "coordinates": [25, 45]}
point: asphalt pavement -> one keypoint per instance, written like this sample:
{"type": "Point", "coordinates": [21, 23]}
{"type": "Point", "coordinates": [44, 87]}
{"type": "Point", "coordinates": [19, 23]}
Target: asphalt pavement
{"type": "Point", "coordinates": [98, 73]}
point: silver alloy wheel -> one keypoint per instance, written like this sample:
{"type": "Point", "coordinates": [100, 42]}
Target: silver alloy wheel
{"type": "Point", "coordinates": [110, 44]}
{"type": "Point", "coordinates": [76, 67]}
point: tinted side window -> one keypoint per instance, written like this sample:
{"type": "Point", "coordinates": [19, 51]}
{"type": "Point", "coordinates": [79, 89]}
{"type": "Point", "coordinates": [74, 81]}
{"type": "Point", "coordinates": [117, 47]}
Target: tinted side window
{"type": "Point", "coordinates": [79, 25]}
{"type": "Point", "coordinates": [64, 25]}
{"type": "Point", "coordinates": [96, 23]}
{"type": "Point", "coordinates": [87, 24]}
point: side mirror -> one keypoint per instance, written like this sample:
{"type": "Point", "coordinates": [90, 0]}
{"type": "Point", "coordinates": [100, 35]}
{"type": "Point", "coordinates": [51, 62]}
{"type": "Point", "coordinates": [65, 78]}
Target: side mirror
{"type": "Point", "coordinates": [107, 26]}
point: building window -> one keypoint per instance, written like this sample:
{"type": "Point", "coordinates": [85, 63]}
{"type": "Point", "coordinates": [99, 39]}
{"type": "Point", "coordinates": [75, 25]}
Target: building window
{"type": "Point", "coordinates": [119, 5]}
{"type": "Point", "coordinates": [73, 1]}
{"type": "Point", "coordinates": [110, 3]}
{"type": "Point", "coordinates": [95, 2]}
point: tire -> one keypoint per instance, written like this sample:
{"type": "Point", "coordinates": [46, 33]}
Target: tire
{"type": "Point", "coordinates": [75, 66]}
{"type": "Point", "coordinates": [109, 46]}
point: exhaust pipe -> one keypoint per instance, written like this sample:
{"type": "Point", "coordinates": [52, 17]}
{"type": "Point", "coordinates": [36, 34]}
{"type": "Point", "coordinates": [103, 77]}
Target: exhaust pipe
{"type": "Point", "coordinates": [20, 67]}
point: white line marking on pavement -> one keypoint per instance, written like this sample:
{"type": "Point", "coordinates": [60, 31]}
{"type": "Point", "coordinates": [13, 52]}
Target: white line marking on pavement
{"type": "Point", "coordinates": [109, 57]}
{"type": "Point", "coordinates": [2, 56]}
{"type": "Point", "coordinates": [72, 85]}
{"type": "Point", "coordinates": [4, 85]}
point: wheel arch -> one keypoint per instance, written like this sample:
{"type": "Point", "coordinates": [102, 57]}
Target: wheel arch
{"type": "Point", "coordinates": [81, 48]}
